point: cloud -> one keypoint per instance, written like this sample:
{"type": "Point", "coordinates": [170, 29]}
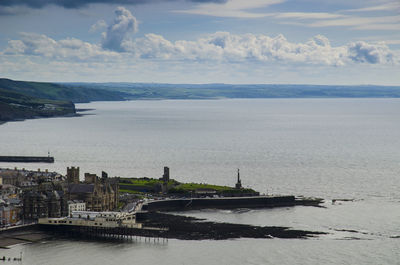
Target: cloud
{"type": "Point", "coordinates": [339, 18]}
{"type": "Point", "coordinates": [368, 53]}
{"type": "Point", "coordinates": [393, 42]}
{"type": "Point", "coordinates": [13, 10]}
{"type": "Point", "coordinates": [320, 20]}
{"type": "Point", "coordinates": [81, 3]}
{"type": "Point", "coordinates": [218, 57]}
{"type": "Point", "coordinates": [357, 21]}
{"type": "Point", "coordinates": [220, 47]}
{"type": "Point", "coordinates": [383, 7]}
{"type": "Point", "coordinates": [361, 23]}
{"type": "Point", "coordinates": [99, 25]}
{"type": "Point", "coordinates": [69, 49]}
{"type": "Point", "coordinates": [231, 48]}
{"type": "Point", "coordinates": [383, 26]}
{"type": "Point", "coordinates": [124, 24]}
{"type": "Point", "coordinates": [232, 8]}
{"type": "Point", "coordinates": [306, 15]}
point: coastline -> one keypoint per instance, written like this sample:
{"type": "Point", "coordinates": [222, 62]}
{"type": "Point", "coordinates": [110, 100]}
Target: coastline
{"type": "Point", "coordinates": [171, 226]}
{"type": "Point", "coordinates": [191, 228]}
{"type": "Point", "coordinates": [69, 115]}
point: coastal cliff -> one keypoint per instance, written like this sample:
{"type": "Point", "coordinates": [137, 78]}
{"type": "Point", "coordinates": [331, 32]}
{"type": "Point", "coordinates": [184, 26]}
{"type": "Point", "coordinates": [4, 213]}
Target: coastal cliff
{"type": "Point", "coordinates": [21, 100]}
{"type": "Point", "coordinates": [16, 106]}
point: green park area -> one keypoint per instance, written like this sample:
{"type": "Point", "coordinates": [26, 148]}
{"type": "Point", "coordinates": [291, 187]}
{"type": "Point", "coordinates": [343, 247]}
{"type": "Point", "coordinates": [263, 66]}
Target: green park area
{"type": "Point", "coordinates": [142, 186]}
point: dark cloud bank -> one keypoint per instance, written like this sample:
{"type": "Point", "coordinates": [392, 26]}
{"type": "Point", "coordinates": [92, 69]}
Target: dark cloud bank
{"type": "Point", "coordinates": [80, 3]}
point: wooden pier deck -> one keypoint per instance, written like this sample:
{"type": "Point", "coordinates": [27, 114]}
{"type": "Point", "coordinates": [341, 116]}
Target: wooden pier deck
{"type": "Point", "coordinates": [106, 232]}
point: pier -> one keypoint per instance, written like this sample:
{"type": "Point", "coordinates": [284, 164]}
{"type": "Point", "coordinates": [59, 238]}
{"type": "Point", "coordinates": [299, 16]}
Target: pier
{"type": "Point", "coordinates": [109, 233]}
{"type": "Point", "coordinates": [108, 225]}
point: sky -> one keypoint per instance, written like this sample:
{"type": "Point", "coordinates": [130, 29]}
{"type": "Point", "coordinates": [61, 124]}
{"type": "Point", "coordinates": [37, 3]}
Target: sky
{"type": "Point", "coordinates": [333, 42]}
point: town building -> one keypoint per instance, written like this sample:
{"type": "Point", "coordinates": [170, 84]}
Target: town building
{"type": "Point", "coordinates": [9, 191]}
{"type": "Point", "coordinates": [95, 219]}
{"type": "Point", "coordinates": [27, 178]}
{"type": "Point", "coordinates": [41, 204]}
{"type": "Point", "coordinates": [73, 175]}
{"type": "Point", "coordinates": [76, 206]}
{"type": "Point", "coordinates": [46, 194]}
{"type": "Point", "coordinates": [12, 177]}
{"type": "Point", "coordinates": [99, 194]}
{"type": "Point", "coordinates": [9, 215]}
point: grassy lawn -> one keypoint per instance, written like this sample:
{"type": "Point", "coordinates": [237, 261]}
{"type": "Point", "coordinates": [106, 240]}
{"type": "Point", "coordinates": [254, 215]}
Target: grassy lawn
{"type": "Point", "coordinates": [144, 182]}
{"type": "Point", "coordinates": [131, 192]}
{"type": "Point", "coordinates": [140, 182]}
{"type": "Point", "coordinates": [197, 186]}
{"type": "Point", "coordinates": [147, 185]}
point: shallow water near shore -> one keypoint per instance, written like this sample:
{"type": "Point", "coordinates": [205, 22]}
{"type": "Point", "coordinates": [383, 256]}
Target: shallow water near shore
{"type": "Point", "coordinates": [240, 251]}
{"type": "Point", "coordinates": [337, 149]}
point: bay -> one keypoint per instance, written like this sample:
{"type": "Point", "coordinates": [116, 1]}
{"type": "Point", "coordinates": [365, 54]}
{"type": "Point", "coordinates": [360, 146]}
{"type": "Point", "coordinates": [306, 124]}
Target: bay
{"type": "Point", "coordinates": [329, 148]}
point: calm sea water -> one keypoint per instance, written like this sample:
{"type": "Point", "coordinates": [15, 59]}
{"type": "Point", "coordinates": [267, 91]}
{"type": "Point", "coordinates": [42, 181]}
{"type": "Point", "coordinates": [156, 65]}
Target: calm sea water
{"type": "Point", "coordinates": [329, 148]}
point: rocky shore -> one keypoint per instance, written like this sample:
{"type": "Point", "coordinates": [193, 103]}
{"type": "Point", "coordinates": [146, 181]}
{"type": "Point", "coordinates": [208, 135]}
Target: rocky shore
{"type": "Point", "coordinates": [162, 225]}
{"type": "Point", "coordinates": [18, 112]}
{"type": "Point", "coordinates": [190, 228]}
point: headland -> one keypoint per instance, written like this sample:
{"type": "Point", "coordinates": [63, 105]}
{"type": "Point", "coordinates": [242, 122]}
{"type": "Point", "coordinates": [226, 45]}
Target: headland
{"type": "Point", "coordinates": [97, 207]}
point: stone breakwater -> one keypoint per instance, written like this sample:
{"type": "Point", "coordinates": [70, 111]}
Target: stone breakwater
{"type": "Point", "coordinates": [27, 159]}
{"type": "Point", "coordinates": [228, 203]}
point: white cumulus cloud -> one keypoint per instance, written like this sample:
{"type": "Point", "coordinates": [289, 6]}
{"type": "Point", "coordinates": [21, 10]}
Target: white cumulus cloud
{"type": "Point", "coordinates": [99, 25]}
{"type": "Point", "coordinates": [227, 47]}
{"type": "Point", "coordinates": [69, 49]}
{"type": "Point", "coordinates": [117, 33]}
{"type": "Point", "coordinates": [220, 47]}
{"type": "Point", "coordinates": [367, 53]}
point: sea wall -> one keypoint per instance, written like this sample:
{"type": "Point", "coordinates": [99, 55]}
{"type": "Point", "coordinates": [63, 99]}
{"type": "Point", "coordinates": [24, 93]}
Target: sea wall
{"type": "Point", "coordinates": [27, 159]}
{"type": "Point", "coordinates": [219, 203]}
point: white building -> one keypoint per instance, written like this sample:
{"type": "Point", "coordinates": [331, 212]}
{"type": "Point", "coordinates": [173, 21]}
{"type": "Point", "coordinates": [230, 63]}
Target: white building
{"type": "Point", "coordinates": [76, 206]}
{"type": "Point", "coordinates": [95, 219]}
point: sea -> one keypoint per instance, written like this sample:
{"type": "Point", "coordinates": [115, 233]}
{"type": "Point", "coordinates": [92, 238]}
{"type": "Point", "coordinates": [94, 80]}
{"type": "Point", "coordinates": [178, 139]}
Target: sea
{"type": "Point", "coordinates": [346, 151]}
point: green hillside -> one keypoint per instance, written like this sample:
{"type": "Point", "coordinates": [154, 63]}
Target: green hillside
{"type": "Point", "coordinates": [216, 91]}
{"type": "Point", "coordinates": [25, 100]}
{"type": "Point", "coordinates": [16, 106]}
{"type": "Point", "coordinates": [60, 92]}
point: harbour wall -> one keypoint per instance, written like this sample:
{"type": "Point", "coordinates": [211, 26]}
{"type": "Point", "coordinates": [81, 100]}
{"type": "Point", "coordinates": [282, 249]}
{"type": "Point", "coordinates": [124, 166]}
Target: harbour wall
{"type": "Point", "coordinates": [219, 203]}
{"type": "Point", "coordinates": [27, 159]}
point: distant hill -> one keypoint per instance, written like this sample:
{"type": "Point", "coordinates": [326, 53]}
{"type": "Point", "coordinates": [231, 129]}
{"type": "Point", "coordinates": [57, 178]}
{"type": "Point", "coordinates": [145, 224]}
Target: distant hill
{"type": "Point", "coordinates": [60, 92]}
{"type": "Point", "coordinates": [215, 91]}
{"type": "Point", "coordinates": [26, 100]}
{"type": "Point", "coordinates": [16, 106]}
{"type": "Point", "coordinates": [22, 100]}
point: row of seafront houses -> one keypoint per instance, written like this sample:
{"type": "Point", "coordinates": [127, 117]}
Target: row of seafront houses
{"type": "Point", "coordinates": [26, 196]}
